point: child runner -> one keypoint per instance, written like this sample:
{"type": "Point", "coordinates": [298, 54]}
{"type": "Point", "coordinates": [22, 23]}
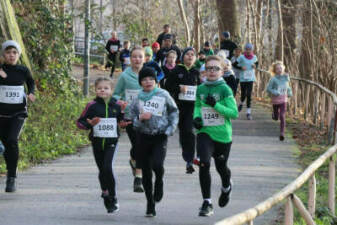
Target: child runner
{"type": "Point", "coordinates": [235, 67]}
{"type": "Point", "coordinates": [155, 116]}
{"type": "Point", "coordinates": [145, 42]}
{"type": "Point", "coordinates": [112, 46]}
{"type": "Point", "coordinates": [150, 63]}
{"type": "Point", "coordinates": [126, 90]}
{"type": "Point", "coordinates": [182, 84]}
{"type": "Point", "coordinates": [228, 75]}
{"type": "Point", "coordinates": [124, 56]}
{"type": "Point", "coordinates": [207, 49]}
{"type": "Point", "coordinates": [201, 60]}
{"type": "Point", "coordinates": [248, 62]}
{"type": "Point", "coordinates": [13, 106]}
{"type": "Point", "coordinates": [170, 64]}
{"type": "Point", "coordinates": [215, 106]}
{"type": "Point", "coordinates": [101, 116]}
{"type": "Point", "coordinates": [155, 48]}
{"type": "Point", "coordinates": [279, 89]}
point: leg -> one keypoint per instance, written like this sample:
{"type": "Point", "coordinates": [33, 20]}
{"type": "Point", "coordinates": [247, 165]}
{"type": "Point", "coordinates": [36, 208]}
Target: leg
{"type": "Point", "coordinates": [99, 159]}
{"type": "Point", "coordinates": [159, 154]}
{"type": "Point", "coordinates": [132, 134]}
{"type": "Point", "coordinates": [249, 93]}
{"type": "Point", "coordinates": [283, 109]}
{"type": "Point", "coordinates": [275, 114]}
{"type": "Point", "coordinates": [186, 135]}
{"type": "Point", "coordinates": [113, 59]}
{"type": "Point", "coordinates": [243, 86]}
{"type": "Point", "coordinates": [108, 174]}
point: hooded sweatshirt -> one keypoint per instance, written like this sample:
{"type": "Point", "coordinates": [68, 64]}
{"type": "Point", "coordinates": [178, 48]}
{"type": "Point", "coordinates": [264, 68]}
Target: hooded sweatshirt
{"type": "Point", "coordinates": [165, 114]}
{"type": "Point", "coordinates": [279, 89]}
{"type": "Point", "coordinates": [127, 88]}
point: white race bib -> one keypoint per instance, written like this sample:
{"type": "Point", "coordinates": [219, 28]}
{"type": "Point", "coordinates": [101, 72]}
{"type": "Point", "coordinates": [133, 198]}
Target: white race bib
{"type": "Point", "coordinates": [226, 52]}
{"type": "Point", "coordinates": [190, 93]}
{"type": "Point", "coordinates": [248, 74]}
{"type": "Point", "coordinates": [282, 90]}
{"type": "Point", "coordinates": [106, 128]}
{"type": "Point", "coordinates": [127, 61]}
{"type": "Point", "coordinates": [12, 94]}
{"type": "Point", "coordinates": [130, 95]}
{"type": "Point", "coordinates": [210, 117]}
{"type": "Point", "coordinates": [155, 106]}
{"type": "Point", "coordinates": [113, 48]}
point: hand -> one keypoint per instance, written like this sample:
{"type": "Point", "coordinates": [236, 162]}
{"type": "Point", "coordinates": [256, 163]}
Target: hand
{"type": "Point", "coordinates": [145, 116]}
{"type": "Point", "coordinates": [244, 68]}
{"type": "Point", "coordinates": [210, 100]}
{"type": "Point", "coordinates": [123, 104]}
{"type": "Point", "coordinates": [197, 123]}
{"type": "Point", "coordinates": [94, 121]}
{"type": "Point", "coordinates": [3, 74]}
{"type": "Point", "coordinates": [124, 124]}
{"type": "Point", "coordinates": [183, 89]}
{"type": "Point", "coordinates": [31, 97]}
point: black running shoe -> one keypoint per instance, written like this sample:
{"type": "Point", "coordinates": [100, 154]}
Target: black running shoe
{"type": "Point", "coordinates": [240, 107]}
{"type": "Point", "coordinates": [150, 210]}
{"type": "Point", "coordinates": [206, 209]}
{"type": "Point", "coordinates": [249, 116]}
{"type": "Point", "coordinates": [225, 197]}
{"type": "Point", "coordinates": [10, 184]}
{"type": "Point", "coordinates": [114, 205]}
{"type": "Point", "coordinates": [281, 138]}
{"type": "Point", "coordinates": [190, 169]}
{"type": "Point", "coordinates": [158, 190]}
{"type": "Point", "coordinates": [107, 202]}
{"type": "Point", "coordinates": [137, 185]}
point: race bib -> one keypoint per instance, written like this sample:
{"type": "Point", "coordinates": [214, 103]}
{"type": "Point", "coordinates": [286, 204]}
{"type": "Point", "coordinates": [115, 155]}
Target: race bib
{"type": "Point", "coordinates": [106, 128]}
{"type": "Point", "coordinates": [189, 95]}
{"type": "Point", "coordinates": [210, 117]}
{"type": "Point", "coordinates": [155, 106]}
{"type": "Point", "coordinates": [130, 95]}
{"type": "Point", "coordinates": [114, 48]}
{"type": "Point", "coordinates": [12, 94]}
{"type": "Point", "coordinates": [282, 90]}
{"type": "Point", "coordinates": [248, 74]}
{"type": "Point", "coordinates": [226, 52]}
{"type": "Point", "coordinates": [127, 61]}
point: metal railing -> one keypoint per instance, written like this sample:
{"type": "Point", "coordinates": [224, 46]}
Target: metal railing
{"type": "Point", "coordinates": [321, 112]}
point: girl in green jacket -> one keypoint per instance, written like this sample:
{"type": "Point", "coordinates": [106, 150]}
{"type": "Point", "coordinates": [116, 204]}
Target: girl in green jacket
{"type": "Point", "coordinates": [214, 108]}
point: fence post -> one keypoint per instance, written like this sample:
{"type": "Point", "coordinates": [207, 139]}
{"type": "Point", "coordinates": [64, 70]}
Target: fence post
{"type": "Point", "coordinates": [312, 196]}
{"type": "Point", "coordinates": [332, 183]}
{"type": "Point", "coordinates": [288, 212]}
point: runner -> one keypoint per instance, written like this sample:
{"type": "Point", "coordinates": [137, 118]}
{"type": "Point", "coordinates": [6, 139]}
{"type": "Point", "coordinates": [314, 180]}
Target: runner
{"type": "Point", "coordinates": [126, 90]}
{"type": "Point", "coordinates": [124, 56]}
{"type": "Point", "coordinates": [155, 49]}
{"type": "Point", "coordinates": [248, 62]}
{"type": "Point", "coordinates": [155, 116]}
{"type": "Point", "coordinates": [165, 48]}
{"type": "Point", "coordinates": [215, 106]}
{"type": "Point", "coordinates": [101, 116]}
{"type": "Point", "coordinates": [201, 60]}
{"type": "Point", "coordinates": [145, 42]}
{"type": "Point", "coordinates": [227, 45]}
{"type": "Point", "coordinates": [207, 49]}
{"type": "Point", "coordinates": [182, 84]}
{"type": "Point", "coordinates": [13, 106]}
{"type": "Point", "coordinates": [112, 46]}
{"type": "Point", "coordinates": [166, 30]}
{"type": "Point", "coordinates": [150, 63]}
{"type": "Point", "coordinates": [236, 69]}
{"type": "Point", "coordinates": [279, 89]}
{"type": "Point", "coordinates": [170, 64]}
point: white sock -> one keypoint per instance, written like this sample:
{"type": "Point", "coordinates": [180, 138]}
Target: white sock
{"type": "Point", "coordinates": [249, 110]}
{"type": "Point", "coordinates": [138, 175]}
{"type": "Point", "coordinates": [209, 200]}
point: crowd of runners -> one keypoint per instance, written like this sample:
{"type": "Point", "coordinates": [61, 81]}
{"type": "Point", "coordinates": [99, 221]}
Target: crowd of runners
{"type": "Point", "coordinates": [161, 88]}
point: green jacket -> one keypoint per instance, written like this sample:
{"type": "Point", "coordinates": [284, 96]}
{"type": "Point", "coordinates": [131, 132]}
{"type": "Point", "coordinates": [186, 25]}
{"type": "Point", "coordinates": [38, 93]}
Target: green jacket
{"type": "Point", "coordinates": [225, 107]}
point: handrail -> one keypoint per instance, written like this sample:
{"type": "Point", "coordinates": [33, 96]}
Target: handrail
{"type": "Point", "coordinates": [287, 192]}
{"type": "Point", "coordinates": [262, 207]}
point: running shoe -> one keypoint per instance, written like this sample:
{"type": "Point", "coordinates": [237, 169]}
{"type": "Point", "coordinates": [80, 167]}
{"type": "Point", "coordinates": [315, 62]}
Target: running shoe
{"type": "Point", "coordinates": [114, 205]}
{"type": "Point", "coordinates": [249, 116]}
{"type": "Point", "coordinates": [10, 184]}
{"type": "Point", "coordinates": [206, 209]}
{"type": "Point", "coordinates": [225, 196]}
{"type": "Point", "coordinates": [281, 138]}
{"type": "Point", "coordinates": [150, 210]}
{"type": "Point", "coordinates": [240, 107]}
{"type": "Point", "coordinates": [137, 185]}
{"type": "Point", "coordinates": [189, 169]}
{"type": "Point", "coordinates": [158, 190]}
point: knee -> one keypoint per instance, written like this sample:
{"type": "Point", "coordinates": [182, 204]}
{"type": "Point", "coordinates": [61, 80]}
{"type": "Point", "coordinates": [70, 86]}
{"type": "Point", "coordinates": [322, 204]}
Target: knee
{"type": "Point", "coordinates": [204, 166]}
{"type": "Point", "coordinates": [12, 145]}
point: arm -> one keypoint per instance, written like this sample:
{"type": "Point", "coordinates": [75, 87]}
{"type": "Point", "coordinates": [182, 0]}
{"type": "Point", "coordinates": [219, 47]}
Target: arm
{"type": "Point", "coordinates": [236, 65]}
{"type": "Point", "coordinates": [107, 46]}
{"type": "Point", "coordinates": [270, 88]}
{"type": "Point", "coordinates": [120, 86]}
{"type": "Point", "coordinates": [229, 109]}
{"type": "Point", "coordinates": [121, 57]}
{"type": "Point", "coordinates": [82, 122]}
{"type": "Point", "coordinates": [134, 114]}
{"type": "Point", "coordinates": [30, 82]}
{"type": "Point", "coordinates": [197, 105]}
{"type": "Point", "coordinates": [172, 84]}
{"type": "Point", "coordinates": [173, 115]}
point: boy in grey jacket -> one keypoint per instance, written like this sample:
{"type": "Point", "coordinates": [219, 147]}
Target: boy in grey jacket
{"type": "Point", "coordinates": [155, 116]}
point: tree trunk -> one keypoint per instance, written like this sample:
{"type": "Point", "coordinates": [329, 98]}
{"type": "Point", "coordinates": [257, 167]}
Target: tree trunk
{"type": "Point", "coordinates": [183, 17]}
{"type": "Point", "coordinates": [228, 12]}
{"type": "Point", "coordinates": [86, 49]}
{"type": "Point", "coordinates": [289, 30]}
{"type": "Point", "coordinates": [279, 45]}
{"type": "Point", "coordinates": [196, 7]}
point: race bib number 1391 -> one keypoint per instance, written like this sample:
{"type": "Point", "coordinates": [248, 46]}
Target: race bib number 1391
{"type": "Point", "coordinates": [11, 94]}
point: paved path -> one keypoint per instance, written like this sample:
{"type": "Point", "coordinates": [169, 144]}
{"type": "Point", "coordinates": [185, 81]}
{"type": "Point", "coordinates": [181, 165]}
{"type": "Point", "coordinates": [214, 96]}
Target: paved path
{"type": "Point", "coordinates": [66, 191]}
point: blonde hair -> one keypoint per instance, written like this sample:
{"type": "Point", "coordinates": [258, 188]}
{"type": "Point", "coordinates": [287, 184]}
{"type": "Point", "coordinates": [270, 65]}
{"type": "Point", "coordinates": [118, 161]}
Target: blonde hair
{"type": "Point", "coordinates": [272, 67]}
{"type": "Point", "coordinates": [137, 47]}
{"type": "Point", "coordinates": [228, 63]}
{"type": "Point", "coordinates": [103, 79]}
{"type": "Point", "coordinates": [222, 54]}
{"type": "Point", "coordinates": [215, 58]}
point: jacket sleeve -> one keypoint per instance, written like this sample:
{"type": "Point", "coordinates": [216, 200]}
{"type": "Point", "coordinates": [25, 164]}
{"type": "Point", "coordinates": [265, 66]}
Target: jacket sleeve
{"type": "Point", "coordinates": [197, 105]}
{"type": "Point", "coordinates": [172, 84]}
{"type": "Point", "coordinates": [121, 57]}
{"type": "Point", "coordinates": [30, 82]}
{"type": "Point", "coordinates": [270, 88]}
{"type": "Point", "coordinates": [134, 114]}
{"type": "Point", "coordinates": [236, 65]}
{"type": "Point", "coordinates": [82, 122]}
{"type": "Point", "coordinates": [173, 115]}
{"type": "Point", "coordinates": [107, 46]}
{"type": "Point", "coordinates": [119, 88]}
{"type": "Point", "coordinates": [229, 109]}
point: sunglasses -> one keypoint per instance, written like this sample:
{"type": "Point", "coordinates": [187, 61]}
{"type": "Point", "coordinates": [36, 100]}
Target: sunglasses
{"type": "Point", "coordinates": [212, 68]}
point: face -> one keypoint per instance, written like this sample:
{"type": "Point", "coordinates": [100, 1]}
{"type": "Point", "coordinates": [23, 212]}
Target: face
{"type": "Point", "coordinates": [171, 58]}
{"type": "Point", "coordinates": [213, 70]}
{"type": "Point", "coordinates": [167, 43]}
{"type": "Point", "coordinates": [127, 45]}
{"type": "Point", "coordinates": [155, 49]}
{"type": "Point", "coordinates": [237, 52]}
{"type": "Point", "coordinates": [189, 58]}
{"type": "Point", "coordinates": [11, 56]}
{"type": "Point", "coordinates": [147, 58]}
{"type": "Point", "coordinates": [278, 69]}
{"type": "Point", "coordinates": [137, 58]}
{"type": "Point", "coordinates": [148, 84]}
{"type": "Point", "coordinates": [103, 90]}
{"type": "Point", "coordinates": [145, 43]}
{"type": "Point", "coordinates": [249, 51]}
{"type": "Point", "coordinates": [167, 29]}
{"type": "Point", "coordinates": [207, 47]}
{"type": "Point", "coordinates": [113, 34]}
{"type": "Point", "coordinates": [225, 68]}
{"type": "Point", "coordinates": [202, 56]}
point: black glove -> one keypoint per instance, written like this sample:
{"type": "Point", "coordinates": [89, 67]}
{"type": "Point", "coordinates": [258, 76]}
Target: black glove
{"type": "Point", "coordinates": [210, 100]}
{"type": "Point", "coordinates": [197, 123]}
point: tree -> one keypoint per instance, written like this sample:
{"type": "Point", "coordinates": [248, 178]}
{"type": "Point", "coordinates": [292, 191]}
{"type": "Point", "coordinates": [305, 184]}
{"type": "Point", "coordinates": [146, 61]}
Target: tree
{"type": "Point", "coordinates": [228, 17]}
{"type": "Point", "coordinates": [183, 17]}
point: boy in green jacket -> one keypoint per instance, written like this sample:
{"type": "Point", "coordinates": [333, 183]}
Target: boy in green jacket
{"type": "Point", "coordinates": [214, 107]}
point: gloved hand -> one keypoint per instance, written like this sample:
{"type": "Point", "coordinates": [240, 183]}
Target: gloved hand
{"type": "Point", "coordinates": [197, 123]}
{"type": "Point", "coordinates": [210, 100]}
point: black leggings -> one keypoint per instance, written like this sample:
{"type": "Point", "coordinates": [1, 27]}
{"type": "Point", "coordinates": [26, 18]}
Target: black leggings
{"type": "Point", "coordinates": [10, 129]}
{"type": "Point", "coordinates": [132, 134]}
{"type": "Point", "coordinates": [246, 91]}
{"type": "Point", "coordinates": [186, 135]}
{"type": "Point", "coordinates": [151, 156]}
{"type": "Point", "coordinates": [208, 148]}
{"type": "Point", "coordinates": [104, 160]}
{"type": "Point", "coordinates": [112, 63]}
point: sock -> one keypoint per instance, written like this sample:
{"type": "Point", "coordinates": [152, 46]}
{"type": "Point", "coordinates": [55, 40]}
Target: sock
{"type": "Point", "coordinates": [139, 176]}
{"type": "Point", "coordinates": [209, 200]}
{"type": "Point", "coordinates": [249, 110]}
